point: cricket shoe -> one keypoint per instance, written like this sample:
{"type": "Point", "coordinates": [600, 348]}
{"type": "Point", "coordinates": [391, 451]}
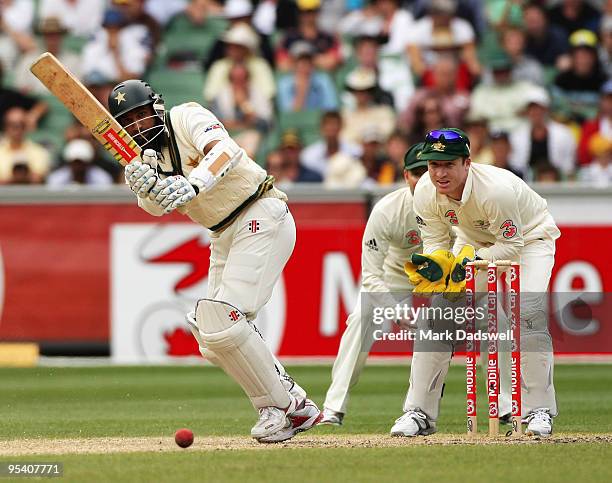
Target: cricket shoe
{"type": "Point", "coordinates": [413, 423]}
{"type": "Point", "coordinates": [302, 419]}
{"type": "Point", "coordinates": [273, 419]}
{"type": "Point", "coordinates": [333, 418]}
{"type": "Point", "coordinates": [539, 423]}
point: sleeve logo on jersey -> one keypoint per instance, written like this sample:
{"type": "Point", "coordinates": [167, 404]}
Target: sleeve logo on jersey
{"type": "Point", "coordinates": [420, 221]}
{"type": "Point", "coordinates": [509, 229]}
{"type": "Point", "coordinates": [253, 226]}
{"type": "Point", "coordinates": [234, 315]}
{"type": "Point", "coordinates": [372, 245]}
{"type": "Point", "coordinates": [452, 217]}
{"type": "Point", "coordinates": [413, 237]}
{"type": "Point", "coordinates": [216, 125]}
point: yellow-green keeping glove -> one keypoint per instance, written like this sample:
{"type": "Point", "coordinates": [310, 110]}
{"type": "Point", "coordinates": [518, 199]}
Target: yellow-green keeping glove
{"type": "Point", "coordinates": [456, 281]}
{"type": "Point", "coordinates": [429, 273]}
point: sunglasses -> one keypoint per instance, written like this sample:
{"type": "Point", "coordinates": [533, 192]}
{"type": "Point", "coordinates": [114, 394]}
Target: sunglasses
{"type": "Point", "coordinates": [446, 136]}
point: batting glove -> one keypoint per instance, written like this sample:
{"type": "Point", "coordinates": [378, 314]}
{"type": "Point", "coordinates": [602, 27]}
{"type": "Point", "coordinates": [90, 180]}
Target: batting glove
{"type": "Point", "coordinates": [140, 177]}
{"type": "Point", "coordinates": [172, 192]}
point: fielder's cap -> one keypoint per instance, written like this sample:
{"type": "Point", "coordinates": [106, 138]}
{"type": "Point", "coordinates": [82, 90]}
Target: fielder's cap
{"type": "Point", "coordinates": [301, 48]}
{"type": "Point", "coordinates": [309, 4]}
{"type": "Point", "coordinates": [606, 24]}
{"type": "Point", "coordinates": [290, 139]}
{"type": "Point", "coordinates": [241, 34]}
{"type": "Point", "coordinates": [51, 25]}
{"type": "Point", "coordinates": [237, 9]}
{"type": "Point", "coordinates": [583, 38]}
{"type": "Point", "coordinates": [445, 144]}
{"type": "Point", "coordinates": [606, 88]}
{"type": "Point", "coordinates": [537, 95]}
{"type": "Point", "coordinates": [411, 158]}
{"type": "Point", "coordinates": [79, 149]}
{"type": "Point", "coordinates": [361, 79]}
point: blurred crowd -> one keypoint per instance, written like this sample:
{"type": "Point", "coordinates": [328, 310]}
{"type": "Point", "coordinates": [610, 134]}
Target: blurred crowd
{"type": "Point", "coordinates": [323, 91]}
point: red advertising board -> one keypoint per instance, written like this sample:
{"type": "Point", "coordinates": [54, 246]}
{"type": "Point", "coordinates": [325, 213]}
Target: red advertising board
{"type": "Point", "coordinates": [59, 274]}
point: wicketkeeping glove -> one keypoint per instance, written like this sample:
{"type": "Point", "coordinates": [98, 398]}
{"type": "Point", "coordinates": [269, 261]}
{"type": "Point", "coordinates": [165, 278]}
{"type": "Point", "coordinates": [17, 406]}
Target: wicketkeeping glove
{"type": "Point", "coordinates": [456, 281]}
{"type": "Point", "coordinates": [172, 192]}
{"type": "Point", "coordinates": [429, 272]}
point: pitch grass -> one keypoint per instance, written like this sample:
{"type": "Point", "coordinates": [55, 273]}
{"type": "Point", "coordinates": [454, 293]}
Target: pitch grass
{"type": "Point", "coordinates": [54, 402]}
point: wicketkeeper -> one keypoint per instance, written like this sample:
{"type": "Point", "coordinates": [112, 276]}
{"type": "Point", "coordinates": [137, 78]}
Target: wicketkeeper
{"type": "Point", "coordinates": [496, 216]}
{"type": "Point", "coordinates": [190, 164]}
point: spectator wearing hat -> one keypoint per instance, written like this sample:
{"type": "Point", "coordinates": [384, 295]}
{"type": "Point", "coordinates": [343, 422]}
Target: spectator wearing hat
{"type": "Point", "coordinates": [601, 125]}
{"type": "Point", "coordinates": [244, 113]}
{"type": "Point", "coordinates": [16, 149]}
{"type": "Point", "coordinates": [367, 112]}
{"type": "Point", "coordinates": [326, 47]}
{"type": "Point", "coordinates": [379, 169]}
{"type": "Point", "coordinates": [393, 75]}
{"type": "Point", "coordinates": [79, 168]}
{"type": "Point", "coordinates": [241, 12]}
{"type": "Point", "coordinates": [118, 50]}
{"type": "Point", "coordinates": [599, 172]}
{"type": "Point", "coordinates": [317, 156]}
{"type": "Point", "coordinates": [572, 15]}
{"type": "Point", "coordinates": [53, 33]}
{"type": "Point", "coordinates": [241, 44]}
{"type": "Point", "coordinates": [545, 42]}
{"type": "Point", "coordinates": [293, 171]}
{"type": "Point", "coordinates": [500, 99]}
{"type": "Point", "coordinates": [576, 91]}
{"type": "Point", "coordinates": [304, 88]}
{"type": "Point", "coordinates": [16, 18]}
{"type": "Point", "coordinates": [384, 19]}
{"type": "Point", "coordinates": [454, 103]}
{"type": "Point", "coordinates": [81, 18]}
{"type": "Point", "coordinates": [542, 140]}
{"type": "Point", "coordinates": [441, 31]}
{"type": "Point", "coordinates": [605, 47]}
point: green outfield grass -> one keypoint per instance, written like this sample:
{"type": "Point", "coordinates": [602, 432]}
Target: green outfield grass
{"type": "Point", "coordinates": [51, 402]}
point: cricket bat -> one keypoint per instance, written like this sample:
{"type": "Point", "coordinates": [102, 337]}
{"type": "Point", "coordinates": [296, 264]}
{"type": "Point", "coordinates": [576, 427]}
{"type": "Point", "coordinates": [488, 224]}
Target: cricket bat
{"type": "Point", "coordinates": [85, 107]}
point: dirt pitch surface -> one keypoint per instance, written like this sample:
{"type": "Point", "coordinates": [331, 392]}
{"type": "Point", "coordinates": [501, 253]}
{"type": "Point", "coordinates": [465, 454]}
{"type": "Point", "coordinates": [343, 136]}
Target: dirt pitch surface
{"type": "Point", "coordinates": [25, 447]}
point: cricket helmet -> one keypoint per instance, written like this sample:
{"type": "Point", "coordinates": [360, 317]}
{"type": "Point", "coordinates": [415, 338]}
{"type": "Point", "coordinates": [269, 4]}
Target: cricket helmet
{"type": "Point", "coordinates": [131, 94]}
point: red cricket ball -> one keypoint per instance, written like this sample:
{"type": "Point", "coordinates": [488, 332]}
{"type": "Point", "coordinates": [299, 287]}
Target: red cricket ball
{"type": "Point", "coordinates": [184, 437]}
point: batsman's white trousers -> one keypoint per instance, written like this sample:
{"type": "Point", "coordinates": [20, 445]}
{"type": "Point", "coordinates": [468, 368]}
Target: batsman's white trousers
{"type": "Point", "coordinates": [247, 259]}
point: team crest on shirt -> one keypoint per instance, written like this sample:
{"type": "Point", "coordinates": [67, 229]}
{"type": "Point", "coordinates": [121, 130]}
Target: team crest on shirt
{"type": "Point", "coordinates": [482, 224]}
{"type": "Point", "coordinates": [413, 237]}
{"type": "Point", "coordinates": [253, 226]}
{"type": "Point", "coordinates": [452, 217]}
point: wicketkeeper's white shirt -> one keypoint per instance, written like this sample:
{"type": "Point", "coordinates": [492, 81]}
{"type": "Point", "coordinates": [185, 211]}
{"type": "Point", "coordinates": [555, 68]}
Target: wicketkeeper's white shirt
{"type": "Point", "coordinates": [498, 213]}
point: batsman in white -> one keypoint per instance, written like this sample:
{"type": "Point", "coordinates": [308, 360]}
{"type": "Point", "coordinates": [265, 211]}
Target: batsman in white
{"type": "Point", "coordinates": [496, 216]}
{"type": "Point", "coordinates": [190, 164]}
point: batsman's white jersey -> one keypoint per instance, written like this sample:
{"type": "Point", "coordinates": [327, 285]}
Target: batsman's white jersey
{"type": "Point", "coordinates": [252, 237]}
{"type": "Point", "coordinates": [504, 219]}
{"type": "Point", "coordinates": [391, 236]}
